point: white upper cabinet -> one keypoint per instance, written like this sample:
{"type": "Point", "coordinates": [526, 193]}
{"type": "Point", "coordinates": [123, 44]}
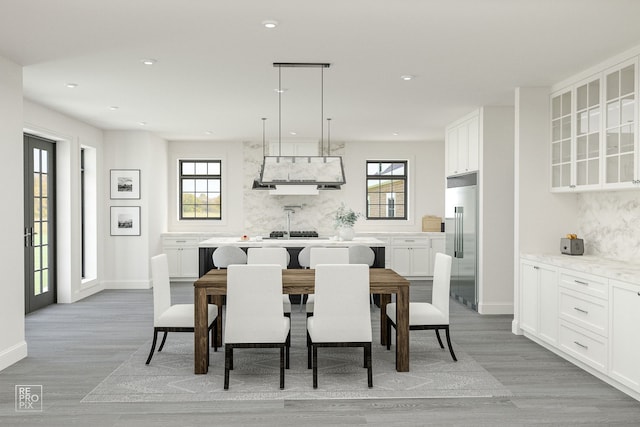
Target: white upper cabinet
{"type": "Point", "coordinates": [594, 132]}
{"type": "Point", "coordinates": [462, 145]}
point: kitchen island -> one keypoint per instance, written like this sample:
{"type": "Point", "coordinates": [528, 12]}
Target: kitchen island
{"type": "Point", "coordinates": [294, 246]}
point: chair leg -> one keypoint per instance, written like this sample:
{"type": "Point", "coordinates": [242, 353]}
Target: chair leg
{"type": "Point", "coordinates": [153, 345]}
{"type": "Point", "coordinates": [282, 367]}
{"type": "Point", "coordinates": [214, 334]}
{"type": "Point", "coordinates": [228, 360]}
{"type": "Point", "coordinates": [288, 347]}
{"type": "Point", "coordinates": [315, 365]}
{"type": "Point", "coordinates": [367, 355]}
{"type": "Point", "coordinates": [308, 351]}
{"type": "Point", "coordinates": [438, 336]}
{"type": "Point", "coordinates": [164, 339]}
{"type": "Point", "coordinates": [449, 344]}
{"type": "Point", "coordinates": [388, 334]}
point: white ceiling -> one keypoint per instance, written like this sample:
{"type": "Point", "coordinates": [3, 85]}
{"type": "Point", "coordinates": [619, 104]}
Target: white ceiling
{"type": "Point", "coordinates": [214, 60]}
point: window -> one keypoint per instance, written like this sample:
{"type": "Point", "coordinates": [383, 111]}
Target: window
{"type": "Point", "coordinates": [386, 189]}
{"type": "Point", "coordinates": [200, 189]}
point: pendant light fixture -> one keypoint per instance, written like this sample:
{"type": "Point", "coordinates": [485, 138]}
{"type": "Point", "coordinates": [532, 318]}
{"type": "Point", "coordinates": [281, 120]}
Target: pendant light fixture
{"type": "Point", "coordinates": [302, 174]}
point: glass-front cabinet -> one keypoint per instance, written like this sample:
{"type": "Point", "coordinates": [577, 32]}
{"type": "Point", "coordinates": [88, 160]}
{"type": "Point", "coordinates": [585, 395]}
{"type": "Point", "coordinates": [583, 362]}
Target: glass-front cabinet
{"type": "Point", "coordinates": [594, 132]}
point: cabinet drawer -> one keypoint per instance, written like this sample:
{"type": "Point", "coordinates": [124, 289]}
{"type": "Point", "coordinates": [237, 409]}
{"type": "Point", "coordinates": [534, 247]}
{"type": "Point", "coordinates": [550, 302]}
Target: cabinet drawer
{"type": "Point", "coordinates": [583, 345]}
{"type": "Point", "coordinates": [584, 310]}
{"type": "Point", "coordinates": [179, 241]}
{"type": "Point", "coordinates": [586, 283]}
{"type": "Point", "coordinates": [410, 241]}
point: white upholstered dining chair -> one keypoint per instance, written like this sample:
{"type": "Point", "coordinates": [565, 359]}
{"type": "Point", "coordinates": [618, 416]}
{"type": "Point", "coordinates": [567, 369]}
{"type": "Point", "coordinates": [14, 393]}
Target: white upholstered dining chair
{"type": "Point", "coordinates": [278, 256]}
{"type": "Point", "coordinates": [325, 256]}
{"type": "Point", "coordinates": [254, 315]}
{"type": "Point", "coordinates": [224, 256]}
{"type": "Point", "coordinates": [423, 315]}
{"type": "Point", "coordinates": [177, 317]}
{"type": "Point", "coordinates": [342, 317]}
{"type": "Point", "coordinates": [361, 254]}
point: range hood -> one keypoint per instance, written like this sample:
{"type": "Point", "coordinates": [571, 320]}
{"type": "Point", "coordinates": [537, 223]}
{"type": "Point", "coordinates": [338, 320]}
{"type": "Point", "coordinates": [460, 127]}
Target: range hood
{"type": "Point", "coordinates": [301, 174]}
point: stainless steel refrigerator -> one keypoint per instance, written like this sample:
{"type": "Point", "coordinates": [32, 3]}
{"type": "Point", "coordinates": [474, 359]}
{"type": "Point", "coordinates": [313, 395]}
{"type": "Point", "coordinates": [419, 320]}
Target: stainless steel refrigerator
{"type": "Point", "coordinates": [461, 231]}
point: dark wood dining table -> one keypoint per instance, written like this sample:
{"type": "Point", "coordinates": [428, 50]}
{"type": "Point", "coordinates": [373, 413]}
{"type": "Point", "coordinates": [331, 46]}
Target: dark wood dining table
{"type": "Point", "coordinates": [383, 281]}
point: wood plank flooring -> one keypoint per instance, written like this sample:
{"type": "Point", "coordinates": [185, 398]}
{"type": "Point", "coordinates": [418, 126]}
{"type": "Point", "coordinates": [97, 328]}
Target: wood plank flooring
{"type": "Point", "coordinates": [74, 347]}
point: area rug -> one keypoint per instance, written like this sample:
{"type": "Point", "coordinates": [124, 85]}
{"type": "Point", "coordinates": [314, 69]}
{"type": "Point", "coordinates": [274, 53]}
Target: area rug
{"type": "Point", "coordinates": [170, 377]}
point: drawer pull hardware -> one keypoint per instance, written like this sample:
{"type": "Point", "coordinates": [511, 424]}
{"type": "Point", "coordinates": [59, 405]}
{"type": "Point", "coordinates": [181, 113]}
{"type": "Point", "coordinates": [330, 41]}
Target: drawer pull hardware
{"type": "Point", "coordinates": [581, 345]}
{"type": "Point", "coordinates": [582, 283]}
{"type": "Point", "coordinates": [181, 241]}
{"type": "Point", "coordinates": [581, 310]}
{"type": "Point", "coordinates": [639, 294]}
{"type": "Point", "coordinates": [535, 267]}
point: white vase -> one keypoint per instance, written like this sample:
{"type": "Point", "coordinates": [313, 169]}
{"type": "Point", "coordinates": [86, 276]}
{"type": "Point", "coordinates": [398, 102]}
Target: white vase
{"type": "Point", "coordinates": [346, 233]}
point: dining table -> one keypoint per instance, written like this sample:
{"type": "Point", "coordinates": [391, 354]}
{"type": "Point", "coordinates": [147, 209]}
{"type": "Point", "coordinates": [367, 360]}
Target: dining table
{"type": "Point", "coordinates": [212, 287]}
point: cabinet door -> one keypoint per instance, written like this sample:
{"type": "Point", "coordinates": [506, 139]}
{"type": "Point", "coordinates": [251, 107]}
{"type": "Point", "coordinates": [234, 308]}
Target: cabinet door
{"type": "Point", "coordinates": [401, 261]}
{"type": "Point", "coordinates": [561, 145]}
{"type": "Point", "coordinates": [452, 151]}
{"type": "Point", "coordinates": [621, 147]}
{"type": "Point", "coordinates": [529, 297]}
{"type": "Point", "coordinates": [189, 262]}
{"type": "Point", "coordinates": [463, 148]}
{"type": "Point", "coordinates": [588, 121]}
{"type": "Point", "coordinates": [548, 304]}
{"type": "Point", "coordinates": [473, 143]}
{"type": "Point", "coordinates": [419, 261]}
{"type": "Point", "coordinates": [624, 350]}
{"type": "Point", "coordinates": [173, 258]}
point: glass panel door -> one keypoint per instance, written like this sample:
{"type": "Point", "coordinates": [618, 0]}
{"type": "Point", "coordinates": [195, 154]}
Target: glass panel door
{"type": "Point", "coordinates": [588, 133]}
{"type": "Point", "coordinates": [561, 151]}
{"type": "Point", "coordinates": [39, 229]}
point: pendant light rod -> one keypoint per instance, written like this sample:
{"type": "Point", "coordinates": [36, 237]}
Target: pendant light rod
{"type": "Point", "coordinates": [328, 136]}
{"type": "Point", "coordinates": [302, 64]}
{"type": "Point", "coordinates": [322, 111]}
{"type": "Point", "coordinates": [264, 150]}
{"type": "Point", "coordinates": [279, 111]}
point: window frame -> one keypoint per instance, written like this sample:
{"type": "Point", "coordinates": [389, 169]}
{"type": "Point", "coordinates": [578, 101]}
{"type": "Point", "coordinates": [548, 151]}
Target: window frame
{"type": "Point", "coordinates": [405, 180]}
{"type": "Point", "coordinates": [182, 177]}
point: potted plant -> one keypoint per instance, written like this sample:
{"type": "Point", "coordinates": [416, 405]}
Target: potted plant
{"type": "Point", "coordinates": [344, 219]}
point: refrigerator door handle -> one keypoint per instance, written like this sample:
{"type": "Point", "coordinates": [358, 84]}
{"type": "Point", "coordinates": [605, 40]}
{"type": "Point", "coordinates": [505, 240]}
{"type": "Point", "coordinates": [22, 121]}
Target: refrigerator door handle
{"type": "Point", "coordinates": [458, 250]}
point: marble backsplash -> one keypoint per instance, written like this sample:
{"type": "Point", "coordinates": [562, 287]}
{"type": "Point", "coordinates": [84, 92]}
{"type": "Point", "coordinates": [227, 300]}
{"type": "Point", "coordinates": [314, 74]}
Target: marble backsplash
{"type": "Point", "coordinates": [265, 212]}
{"type": "Point", "coordinates": [609, 223]}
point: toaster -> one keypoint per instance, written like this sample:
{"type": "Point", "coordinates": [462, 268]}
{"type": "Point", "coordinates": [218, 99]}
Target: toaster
{"type": "Point", "coordinates": [571, 246]}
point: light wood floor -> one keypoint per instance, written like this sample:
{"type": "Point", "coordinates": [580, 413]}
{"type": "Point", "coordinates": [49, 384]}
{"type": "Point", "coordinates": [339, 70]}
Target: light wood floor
{"type": "Point", "coordinates": [74, 347]}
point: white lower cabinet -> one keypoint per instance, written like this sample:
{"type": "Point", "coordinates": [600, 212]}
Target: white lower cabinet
{"type": "Point", "coordinates": [539, 300]}
{"type": "Point", "coordinates": [410, 256]}
{"type": "Point", "coordinates": [624, 351]}
{"type": "Point", "coordinates": [591, 320]}
{"type": "Point", "coordinates": [182, 256]}
{"type": "Point", "coordinates": [436, 244]}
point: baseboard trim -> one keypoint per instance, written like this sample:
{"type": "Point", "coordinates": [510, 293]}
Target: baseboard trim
{"type": "Point", "coordinates": [13, 354]}
{"type": "Point", "coordinates": [127, 284]}
{"type": "Point", "coordinates": [499, 308]}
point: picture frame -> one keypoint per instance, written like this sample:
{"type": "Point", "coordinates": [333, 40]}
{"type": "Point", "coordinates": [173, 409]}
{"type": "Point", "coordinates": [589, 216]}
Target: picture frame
{"type": "Point", "coordinates": [125, 184]}
{"type": "Point", "coordinates": [125, 220]}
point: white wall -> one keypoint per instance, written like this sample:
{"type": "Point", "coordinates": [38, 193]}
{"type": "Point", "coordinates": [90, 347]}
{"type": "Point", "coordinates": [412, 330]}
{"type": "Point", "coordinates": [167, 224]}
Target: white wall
{"type": "Point", "coordinates": [247, 211]}
{"type": "Point", "coordinates": [495, 273]}
{"type": "Point", "coordinates": [12, 341]}
{"type": "Point", "coordinates": [126, 258]}
{"type": "Point", "coordinates": [69, 135]}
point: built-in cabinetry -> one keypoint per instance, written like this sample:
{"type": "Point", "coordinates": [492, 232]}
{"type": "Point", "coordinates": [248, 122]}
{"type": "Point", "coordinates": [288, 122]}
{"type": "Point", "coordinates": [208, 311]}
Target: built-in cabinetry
{"type": "Point", "coordinates": [182, 256]}
{"type": "Point", "coordinates": [594, 132]}
{"type": "Point", "coordinates": [589, 319]}
{"type": "Point", "coordinates": [462, 145]}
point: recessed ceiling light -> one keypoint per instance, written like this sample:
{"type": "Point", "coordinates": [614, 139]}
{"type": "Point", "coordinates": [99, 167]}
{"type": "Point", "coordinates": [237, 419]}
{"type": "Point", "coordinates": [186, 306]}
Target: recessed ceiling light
{"type": "Point", "coordinates": [283, 90]}
{"type": "Point", "coordinates": [270, 24]}
{"type": "Point", "coordinates": [209, 132]}
{"type": "Point", "coordinates": [72, 85]}
{"type": "Point", "coordinates": [113, 107]}
{"type": "Point", "coordinates": [142, 123]}
{"type": "Point", "coordinates": [293, 133]}
{"type": "Point", "coordinates": [149, 61]}
{"type": "Point", "coordinates": [396, 133]}
{"type": "Point", "coordinates": [407, 77]}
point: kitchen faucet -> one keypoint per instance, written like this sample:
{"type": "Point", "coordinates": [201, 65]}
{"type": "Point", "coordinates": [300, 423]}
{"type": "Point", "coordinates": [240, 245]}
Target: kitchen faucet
{"type": "Point", "coordinates": [290, 209]}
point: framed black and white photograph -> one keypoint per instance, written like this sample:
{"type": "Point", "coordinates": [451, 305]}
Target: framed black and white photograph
{"type": "Point", "coordinates": [125, 184]}
{"type": "Point", "coordinates": [125, 220]}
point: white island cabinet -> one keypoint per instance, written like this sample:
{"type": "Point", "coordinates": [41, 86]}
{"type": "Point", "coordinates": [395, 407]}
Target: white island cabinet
{"type": "Point", "coordinates": [587, 310]}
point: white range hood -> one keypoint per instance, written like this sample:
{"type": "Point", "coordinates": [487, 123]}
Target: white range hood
{"type": "Point", "coordinates": [301, 175]}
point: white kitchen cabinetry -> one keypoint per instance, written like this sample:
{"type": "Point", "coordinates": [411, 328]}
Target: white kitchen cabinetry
{"type": "Point", "coordinates": [539, 300]}
{"type": "Point", "coordinates": [624, 350]}
{"type": "Point", "coordinates": [594, 126]}
{"type": "Point", "coordinates": [462, 145]}
{"type": "Point", "coordinates": [589, 319]}
{"type": "Point", "coordinates": [410, 256]}
{"type": "Point", "coordinates": [182, 255]}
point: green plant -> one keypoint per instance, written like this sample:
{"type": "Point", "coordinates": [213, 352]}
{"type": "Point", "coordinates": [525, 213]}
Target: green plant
{"type": "Point", "coordinates": [345, 217]}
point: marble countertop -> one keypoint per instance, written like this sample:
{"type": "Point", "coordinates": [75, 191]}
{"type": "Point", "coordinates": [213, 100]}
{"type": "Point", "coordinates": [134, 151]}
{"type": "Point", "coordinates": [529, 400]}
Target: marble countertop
{"type": "Point", "coordinates": [625, 271]}
{"type": "Point", "coordinates": [288, 243]}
